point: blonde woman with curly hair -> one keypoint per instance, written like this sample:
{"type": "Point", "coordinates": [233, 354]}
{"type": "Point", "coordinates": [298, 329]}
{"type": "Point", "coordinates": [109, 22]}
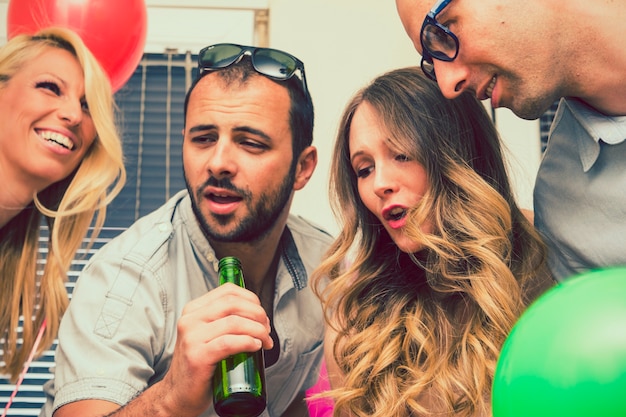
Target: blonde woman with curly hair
{"type": "Point", "coordinates": [441, 259]}
{"type": "Point", "coordinates": [60, 159]}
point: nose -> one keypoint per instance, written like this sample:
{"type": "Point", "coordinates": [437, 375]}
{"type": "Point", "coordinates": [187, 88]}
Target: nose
{"type": "Point", "coordinates": [384, 182]}
{"type": "Point", "coordinates": [71, 111]}
{"type": "Point", "coordinates": [452, 77]}
{"type": "Point", "coordinates": [221, 162]}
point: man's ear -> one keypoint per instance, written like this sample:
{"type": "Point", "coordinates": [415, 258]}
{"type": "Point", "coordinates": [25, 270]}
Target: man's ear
{"type": "Point", "coordinates": [307, 161]}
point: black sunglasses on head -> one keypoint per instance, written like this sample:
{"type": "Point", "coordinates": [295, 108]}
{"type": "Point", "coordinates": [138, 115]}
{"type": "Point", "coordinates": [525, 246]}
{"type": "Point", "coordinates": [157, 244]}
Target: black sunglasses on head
{"type": "Point", "coordinates": [272, 63]}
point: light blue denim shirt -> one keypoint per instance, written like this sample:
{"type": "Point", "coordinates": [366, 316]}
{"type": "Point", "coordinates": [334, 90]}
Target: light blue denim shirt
{"type": "Point", "coordinates": [580, 192]}
{"type": "Point", "coordinates": [118, 335]}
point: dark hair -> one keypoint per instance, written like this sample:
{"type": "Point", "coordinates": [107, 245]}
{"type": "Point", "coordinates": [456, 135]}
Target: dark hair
{"type": "Point", "coordinates": [301, 112]}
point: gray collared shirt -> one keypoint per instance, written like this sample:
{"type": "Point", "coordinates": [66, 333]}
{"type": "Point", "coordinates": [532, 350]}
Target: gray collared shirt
{"type": "Point", "coordinates": [118, 335]}
{"type": "Point", "coordinates": [580, 193]}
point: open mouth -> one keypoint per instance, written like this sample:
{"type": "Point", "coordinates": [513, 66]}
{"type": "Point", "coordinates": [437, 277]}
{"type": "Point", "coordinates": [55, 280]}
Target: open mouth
{"type": "Point", "coordinates": [56, 138]}
{"type": "Point", "coordinates": [396, 213]}
{"type": "Point", "coordinates": [223, 198]}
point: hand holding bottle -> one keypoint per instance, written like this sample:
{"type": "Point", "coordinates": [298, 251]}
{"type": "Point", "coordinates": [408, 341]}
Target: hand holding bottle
{"type": "Point", "coordinates": [239, 380]}
{"type": "Point", "coordinates": [225, 321]}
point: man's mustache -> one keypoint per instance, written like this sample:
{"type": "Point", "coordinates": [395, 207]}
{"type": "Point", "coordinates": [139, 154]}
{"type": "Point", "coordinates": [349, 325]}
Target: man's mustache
{"type": "Point", "coordinates": [224, 183]}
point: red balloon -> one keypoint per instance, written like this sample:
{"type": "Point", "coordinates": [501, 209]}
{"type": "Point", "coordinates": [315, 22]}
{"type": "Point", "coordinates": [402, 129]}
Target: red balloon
{"type": "Point", "coordinates": [114, 30]}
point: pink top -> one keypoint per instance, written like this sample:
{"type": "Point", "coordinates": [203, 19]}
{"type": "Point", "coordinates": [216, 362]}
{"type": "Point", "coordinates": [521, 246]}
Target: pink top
{"type": "Point", "coordinates": [320, 407]}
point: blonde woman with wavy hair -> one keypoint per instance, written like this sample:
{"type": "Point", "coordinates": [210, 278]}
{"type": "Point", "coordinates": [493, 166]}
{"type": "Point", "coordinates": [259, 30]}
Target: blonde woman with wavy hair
{"type": "Point", "coordinates": [60, 158]}
{"type": "Point", "coordinates": [434, 261]}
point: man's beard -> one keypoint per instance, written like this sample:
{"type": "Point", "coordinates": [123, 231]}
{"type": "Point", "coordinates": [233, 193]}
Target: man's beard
{"type": "Point", "coordinates": [261, 216]}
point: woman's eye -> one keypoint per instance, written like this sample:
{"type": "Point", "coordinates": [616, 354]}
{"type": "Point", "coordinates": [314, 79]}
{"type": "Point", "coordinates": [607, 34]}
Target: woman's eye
{"type": "Point", "coordinates": [363, 172]}
{"type": "Point", "coordinates": [84, 105]}
{"type": "Point", "coordinates": [402, 158]}
{"type": "Point", "coordinates": [49, 85]}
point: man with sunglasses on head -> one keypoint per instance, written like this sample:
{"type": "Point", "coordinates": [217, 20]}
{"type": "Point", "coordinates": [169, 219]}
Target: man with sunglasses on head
{"type": "Point", "coordinates": [525, 55]}
{"type": "Point", "coordinates": [148, 322]}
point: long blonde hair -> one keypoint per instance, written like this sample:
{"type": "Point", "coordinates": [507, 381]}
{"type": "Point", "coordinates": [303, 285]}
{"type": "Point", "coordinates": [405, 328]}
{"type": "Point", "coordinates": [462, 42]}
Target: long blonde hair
{"type": "Point", "coordinates": [420, 334]}
{"type": "Point", "coordinates": [70, 206]}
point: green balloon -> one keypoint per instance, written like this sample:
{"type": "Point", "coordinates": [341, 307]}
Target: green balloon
{"type": "Point", "coordinates": [566, 355]}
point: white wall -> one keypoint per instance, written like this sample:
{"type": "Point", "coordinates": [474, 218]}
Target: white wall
{"type": "Point", "coordinates": [522, 140]}
{"type": "Point", "coordinates": [344, 44]}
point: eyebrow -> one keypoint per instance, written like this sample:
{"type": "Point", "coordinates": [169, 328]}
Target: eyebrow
{"type": "Point", "coordinates": [201, 128]}
{"type": "Point", "coordinates": [244, 129]}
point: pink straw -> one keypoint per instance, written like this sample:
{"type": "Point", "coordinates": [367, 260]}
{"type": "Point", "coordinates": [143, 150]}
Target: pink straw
{"type": "Point", "coordinates": [26, 366]}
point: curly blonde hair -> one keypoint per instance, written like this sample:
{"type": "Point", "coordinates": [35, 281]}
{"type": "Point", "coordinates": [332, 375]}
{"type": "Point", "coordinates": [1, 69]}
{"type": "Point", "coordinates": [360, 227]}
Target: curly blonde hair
{"type": "Point", "coordinates": [420, 334]}
{"type": "Point", "coordinates": [70, 206]}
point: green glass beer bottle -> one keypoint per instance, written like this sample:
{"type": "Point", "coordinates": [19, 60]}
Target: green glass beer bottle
{"type": "Point", "coordinates": [239, 380]}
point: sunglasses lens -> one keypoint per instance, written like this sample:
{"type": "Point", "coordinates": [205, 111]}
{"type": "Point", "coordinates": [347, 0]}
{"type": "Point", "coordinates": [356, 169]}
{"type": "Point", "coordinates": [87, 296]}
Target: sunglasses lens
{"type": "Point", "coordinates": [219, 56]}
{"type": "Point", "coordinates": [274, 63]}
{"type": "Point", "coordinates": [439, 43]}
